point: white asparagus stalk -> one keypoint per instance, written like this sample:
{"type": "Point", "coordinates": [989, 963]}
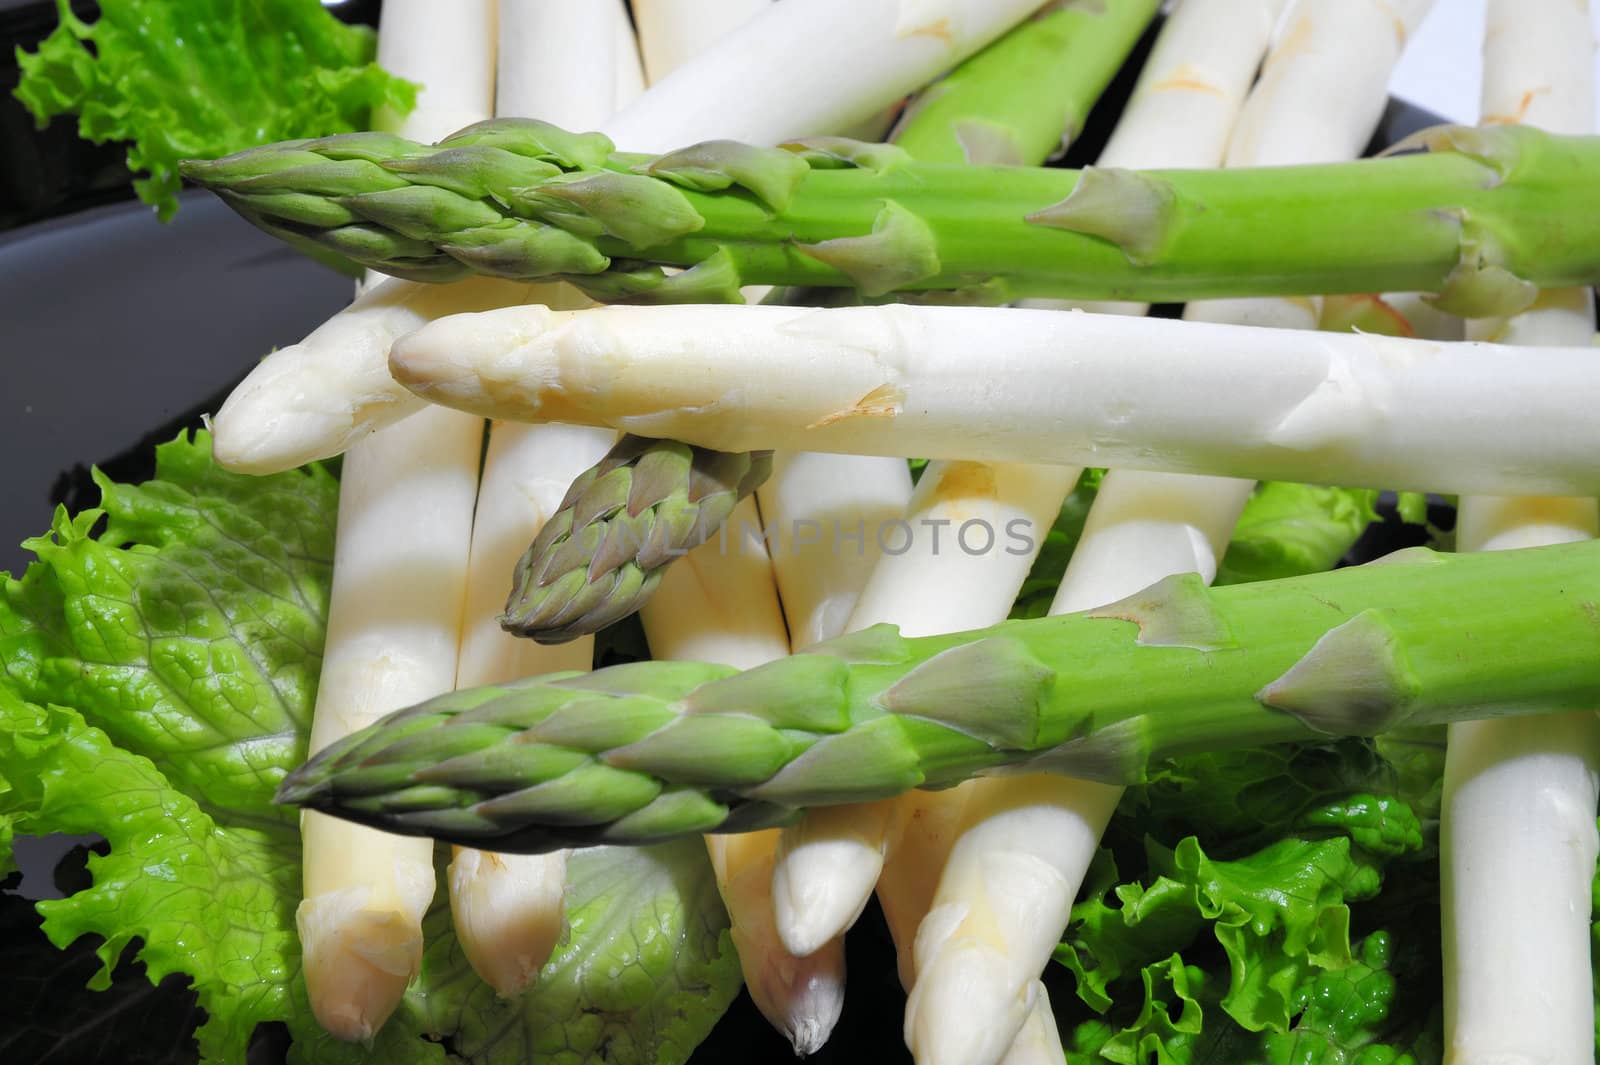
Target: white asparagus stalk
{"type": "Point", "coordinates": [1223, 400]}
{"type": "Point", "coordinates": [823, 515]}
{"type": "Point", "coordinates": [801, 996]}
{"type": "Point", "coordinates": [720, 604]}
{"type": "Point", "coordinates": [1039, 1041]}
{"type": "Point", "coordinates": [1349, 47]}
{"type": "Point", "coordinates": [394, 616]}
{"type": "Point", "coordinates": [630, 83]}
{"type": "Point", "coordinates": [508, 909]}
{"type": "Point", "coordinates": [561, 61]}
{"type": "Point", "coordinates": [558, 60]}
{"type": "Point", "coordinates": [674, 31]}
{"type": "Point", "coordinates": [954, 560]}
{"type": "Point", "coordinates": [877, 51]}
{"type": "Point", "coordinates": [1517, 835]}
{"type": "Point", "coordinates": [843, 61]}
{"type": "Point", "coordinates": [1189, 93]}
{"type": "Point", "coordinates": [921, 834]}
{"type": "Point", "coordinates": [1025, 844]}
{"type": "Point", "coordinates": [334, 387]}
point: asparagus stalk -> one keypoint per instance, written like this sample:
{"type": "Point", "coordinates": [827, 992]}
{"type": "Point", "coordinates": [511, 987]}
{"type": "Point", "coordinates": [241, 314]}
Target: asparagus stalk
{"type": "Point", "coordinates": [983, 942]}
{"type": "Point", "coordinates": [654, 750]}
{"type": "Point", "coordinates": [394, 614]}
{"type": "Point", "coordinates": [1224, 400]}
{"type": "Point", "coordinates": [1025, 97]}
{"type": "Point", "coordinates": [720, 604]}
{"type": "Point", "coordinates": [1482, 218]}
{"type": "Point", "coordinates": [861, 56]}
{"type": "Point", "coordinates": [671, 32]}
{"type": "Point", "coordinates": [335, 384]}
{"type": "Point", "coordinates": [823, 516]}
{"type": "Point", "coordinates": [967, 538]}
{"type": "Point", "coordinates": [874, 60]}
{"type": "Point", "coordinates": [1517, 832]}
{"type": "Point", "coordinates": [985, 112]}
{"type": "Point", "coordinates": [627, 517]}
{"type": "Point", "coordinates": [509, 910]}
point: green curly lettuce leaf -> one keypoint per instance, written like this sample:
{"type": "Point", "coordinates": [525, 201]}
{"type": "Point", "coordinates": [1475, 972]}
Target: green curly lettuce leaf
{"type": "Point", "coordinates": [210, 900]}
{"type": "Point", "coordinates": [1299, 900]}
{"type": "Point", "coordinates": [197, 644]}
{"type": "Point", "coordinates": [182, 79]}
{"type": "Point", "coordinates": [1291, 529]}
{"type": "Point", "coordinates": [156, 681]}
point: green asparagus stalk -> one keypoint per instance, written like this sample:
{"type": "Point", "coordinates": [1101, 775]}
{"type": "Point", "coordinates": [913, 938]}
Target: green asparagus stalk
{"type": "Point", "coordinates": [1026, 96]}
{"type": "Point", "coordinates": [648, 751]}
{"type": "Point", "coordinates": [623, 521]}
{"type": "Point", "coordinates": [1483, 217]}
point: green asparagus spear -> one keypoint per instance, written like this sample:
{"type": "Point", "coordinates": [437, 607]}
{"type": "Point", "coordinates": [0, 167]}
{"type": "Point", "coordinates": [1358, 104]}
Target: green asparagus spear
{"type": "Point", "coordinates": [622, 522]}
{"type": "Point", "coordinates": [648, 751]}
{"type": "Point", "coordinates": [1484, 217]}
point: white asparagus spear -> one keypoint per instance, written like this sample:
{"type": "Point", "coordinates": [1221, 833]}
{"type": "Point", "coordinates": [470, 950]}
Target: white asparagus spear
{"type": "Point", "coordinates": [1517, 833]}
{"type": "Point", "coordinates": [869, 53]}
{"type": "Point", "coordinates": [720, 604]}
{"type": "Point", "coordinates": [842, 62]}
{"type": "Point", "coordinates": [394, 617]}
{"type": "Point", "coordinates": [1185, 397]}
{"type": "Point", "coordinates": [1025, 844]}
{"type": "Point", "coordinates": [557, 60]}
{"type": "Point", "coordinates": [508, 909]}
{"type": "Point", "coordinates": [954, 558]}
{"type": "Point", "coordinates": [630, 63]}
{"type": "Point", "coordinates": [672, 32]}
{"type": "Point", "coordinates": [823, 514]}
{"type": "Point", "coordinates": [335, 384]}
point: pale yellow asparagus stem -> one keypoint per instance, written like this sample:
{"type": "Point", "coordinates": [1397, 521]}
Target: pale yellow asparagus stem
{"type": "Point", "coordinates": [956, 558]}
{"type": "Point", "coordinates": [394, 618]}
{"type": "Point", "coordinates": [1024, 844]}
{"type": "Point", "coordinates": [720, 604]}
{"type": "Point", "coordinates": [1517, 834]}
{"type": "Point", "coordinates": [717, 604]}
{"type": "Point", "coordinates": [560, 62]}
{"type": "Point", "coordinates": [824, 515]}
{"type": "Point", "coordinates": [920, 837]}
{"type": "Point", "coordinates": [671, 31]}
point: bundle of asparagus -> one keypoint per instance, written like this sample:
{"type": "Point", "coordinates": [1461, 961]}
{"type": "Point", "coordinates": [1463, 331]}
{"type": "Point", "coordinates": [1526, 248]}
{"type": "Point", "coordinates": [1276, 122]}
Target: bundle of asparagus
{"type": "Point", "coordinates": [1481, 218]}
